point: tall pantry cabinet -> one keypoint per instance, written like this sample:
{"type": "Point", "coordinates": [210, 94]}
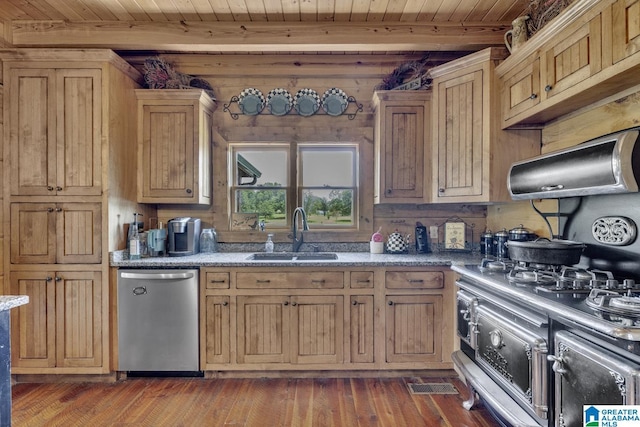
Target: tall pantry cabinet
{"type": "Point", "coordinates": [70, 142]}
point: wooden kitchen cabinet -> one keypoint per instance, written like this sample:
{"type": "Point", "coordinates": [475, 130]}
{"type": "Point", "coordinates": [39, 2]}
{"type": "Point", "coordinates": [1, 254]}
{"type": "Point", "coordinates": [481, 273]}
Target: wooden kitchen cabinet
{"type": "Point", "coordinates": [61, 327]}
{"type": "Point", "coordinates": [55, 129]}
{"type": "Point", "coordinates": [217, 315]}
{"type": "Point", "coordinates": [413, 328]}
{"type": "Point", "coordinates": [587, 53]}
{"type": "Point", "coordinates": [378, 318]}
{"type": "Point", "coordinates": [402, 134]}
{"type": "Point", "coordinates": [48, 233]}
{"type": "Point", "coordinates": [471, 155]}
{"type": "Point", "coordinates": [174, 138]}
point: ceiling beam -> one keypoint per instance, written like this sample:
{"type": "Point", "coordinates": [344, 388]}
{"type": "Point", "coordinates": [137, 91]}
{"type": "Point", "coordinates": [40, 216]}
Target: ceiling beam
{"type": "Point", "coordinates": [258, 36]}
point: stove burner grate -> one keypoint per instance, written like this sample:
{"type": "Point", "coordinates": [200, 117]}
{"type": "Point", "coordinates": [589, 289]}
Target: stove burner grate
{"type": "Point", "coordinates": [609, 301]}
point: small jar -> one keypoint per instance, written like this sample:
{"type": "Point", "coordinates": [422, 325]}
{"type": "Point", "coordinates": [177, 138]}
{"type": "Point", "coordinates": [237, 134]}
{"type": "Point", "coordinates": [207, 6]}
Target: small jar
{"type": "Point", "coordinates": [208, 240]}
{"type": "Point", "coordinates": [268, 245]}
{"type": "Point", "coordinates": [500, 239]}
{"type": "Point", "coordinates": [486, 243]}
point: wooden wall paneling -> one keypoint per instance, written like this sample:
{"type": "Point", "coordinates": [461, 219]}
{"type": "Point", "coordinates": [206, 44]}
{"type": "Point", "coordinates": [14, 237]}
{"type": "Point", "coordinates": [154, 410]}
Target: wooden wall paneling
{"type": "Point", "coordinates": [511, 215]}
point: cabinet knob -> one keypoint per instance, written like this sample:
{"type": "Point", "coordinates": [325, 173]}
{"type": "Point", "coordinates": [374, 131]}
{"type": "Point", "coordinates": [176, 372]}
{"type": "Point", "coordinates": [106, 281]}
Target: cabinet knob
{"type": "Point", "coordinates": [224, 304]}
{"type": "Point", "coordinates": [48, 278]}
{"type": "Point", "coordinates": [58, 188]}
{"type": "Point", "coordinates": [49, 187]}
{"type": "Point", "coordinates": [354, 302]}
{"type": "Point", "coordinates": [440, 190]}
{"type": "Point", "coordinates": [293, 304]}
{"type": "Point", "coordinates": [548, 88]}
{"type": "Point", "coordinates": [58, 209]}
{"type": "Point", "coordinates": [533, 96]}
{"type": "Point", "coordinates": [390, 303]}
{"type": "Point", "coordinates": [389, 191]}
{"type": "Point", "coordinates": [189, 191]}
{"type": "Point", "coordinates": [286, 303]}
{"type": "Point", "coordinates": [58, 279]}
{"type": "Point", "coordinates": [49, 209]}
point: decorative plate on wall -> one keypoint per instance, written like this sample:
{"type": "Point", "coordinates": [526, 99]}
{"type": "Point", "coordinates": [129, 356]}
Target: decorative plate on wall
{"type": "Point", "coordinates": [335, 101]}
{"type": "Point", "coordinates": [306, 102]}
{"type": "Point", "coordinates": [279, 101]}
{"type": "Point", "coordinates": [251, 101]}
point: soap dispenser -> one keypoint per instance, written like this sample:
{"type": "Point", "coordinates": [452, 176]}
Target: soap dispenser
{"type": "Point", "coordinates": [268, 245]}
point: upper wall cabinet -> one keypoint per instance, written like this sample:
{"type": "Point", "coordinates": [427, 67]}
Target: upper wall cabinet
{"type": "Point", "coordinates": [174, 152]}
{"type": "Point", "coordinates": [471, 155]}
{"type": "Point", "coordinates": [585, 54]}
{"type": "Point", "coordinates": [402, 130]}
{"type": "Point", "coordinates": [55, 130]}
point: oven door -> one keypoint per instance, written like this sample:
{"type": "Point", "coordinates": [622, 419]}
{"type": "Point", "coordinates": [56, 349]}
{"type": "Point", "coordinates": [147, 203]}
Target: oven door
{"type": "Point", "coordinates": [515, 357]}
{"type": "Point", "coordinates": [466, 306]}
{"type": "Point", "coordinates": [588, 374]}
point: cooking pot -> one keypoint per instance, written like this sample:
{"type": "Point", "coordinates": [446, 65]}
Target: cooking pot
{"type": "Point", "coordinates": [545, 251]}
{"type": "Point", "coordinates": [521, 234]}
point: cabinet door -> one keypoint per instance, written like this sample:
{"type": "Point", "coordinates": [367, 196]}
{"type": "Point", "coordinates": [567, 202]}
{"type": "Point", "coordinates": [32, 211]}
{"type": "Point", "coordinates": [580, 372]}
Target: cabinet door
{"type": "Point", "coordinates": [572, 60]}
{"type": "Point", "coordinates": [414, 328]}
{"type": "Point", "coordinates": [521, 89]}
{"type": "Point", "coordinates": [460, 136]}
{"type": "Point", "coordinates": [33, 325]}
{"type": "Point", "coordinates": [33, 233]}
{"type": "Point", "coordinates": [168, 167]}
{"type": "Point", "coordinates": [79, 228]}
{"type": "Point", "coordinates": [402, 154]}
{"type": "Point", "coordinates": [55, 131]}
{"type": "Point", "coordinates": [626, 29]}
{"type": "Point", "coordinates": [217, 329]}
{"type": "Point", "coordinates": [79, 132]}
{"type": "Point", "coordinates": [32, 131]}
{"type": "Point", "coordinates": [263, 335]}
{"type": "Point", "coordinates": [47, 233]}
{"type": "Point", "coordinates": [361, 321]}
{"type": "Point", "coordinates": [317, 328]}
{"type": "Point", "coordinates": [78, 319]}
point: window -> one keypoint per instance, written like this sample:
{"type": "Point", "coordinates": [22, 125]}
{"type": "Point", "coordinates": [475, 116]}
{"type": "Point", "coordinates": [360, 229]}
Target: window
{"type": "Point", "coordinates": [268, 181]}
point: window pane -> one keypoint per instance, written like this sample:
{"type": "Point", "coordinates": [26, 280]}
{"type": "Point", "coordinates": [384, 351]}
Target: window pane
{"type": "Point", "coordinates": [329, 207]}
{"type": "Point", "coordinates": [269, 204]}
{"type": "Point", "coordinates": [328, 166]}
{"type": "Point", "coordinates": [261, 167]}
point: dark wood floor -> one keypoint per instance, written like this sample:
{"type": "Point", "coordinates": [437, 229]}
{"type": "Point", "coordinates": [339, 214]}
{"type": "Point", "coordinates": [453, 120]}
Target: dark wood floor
{"type": "Point", "coordinates": [243, 402]}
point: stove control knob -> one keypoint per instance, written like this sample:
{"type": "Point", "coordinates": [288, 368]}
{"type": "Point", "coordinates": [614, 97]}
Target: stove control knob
{"type": "Point", "coordinates": [496, 338]}
{"type": "Point", "coordinates": [596, 284]}
{"type": "Point", "coordinates": [629, 284]}
{"type": "Point", "coordinates": [611, 284]}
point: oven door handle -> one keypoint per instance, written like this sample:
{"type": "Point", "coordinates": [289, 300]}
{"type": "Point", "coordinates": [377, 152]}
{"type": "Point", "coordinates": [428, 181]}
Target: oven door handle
{"type": "Point", "coordinates": [557, 364]}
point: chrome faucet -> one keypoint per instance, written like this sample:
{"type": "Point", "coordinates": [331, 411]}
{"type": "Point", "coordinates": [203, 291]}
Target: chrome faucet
{"type": "Point", "coordinates": [305, 226]}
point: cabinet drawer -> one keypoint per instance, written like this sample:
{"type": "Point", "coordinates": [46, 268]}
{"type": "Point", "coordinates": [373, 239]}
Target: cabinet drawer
{"type": "Point", "coordinates": [414, 280]}
{"type": "Point", "coordinates": [217, 280]}
{"type": "Point", "coordinates": [285, 280]}
{"type": "Point", "coordinates": [361, 279]}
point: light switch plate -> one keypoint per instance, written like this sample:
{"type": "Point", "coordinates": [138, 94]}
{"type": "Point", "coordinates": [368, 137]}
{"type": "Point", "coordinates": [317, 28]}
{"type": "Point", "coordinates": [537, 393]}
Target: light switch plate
{"type": "Point", "coordinates": [433, 232]}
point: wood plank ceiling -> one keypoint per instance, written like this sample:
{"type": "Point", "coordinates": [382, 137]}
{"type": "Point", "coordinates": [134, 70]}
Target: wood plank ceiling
{"type": "Point", "coordinates": [254, 26]}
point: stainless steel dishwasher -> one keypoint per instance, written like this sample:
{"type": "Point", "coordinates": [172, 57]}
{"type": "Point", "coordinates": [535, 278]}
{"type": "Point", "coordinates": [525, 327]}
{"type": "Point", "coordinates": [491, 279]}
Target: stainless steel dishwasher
{"type": "Point", "coordinates": [158, 320]}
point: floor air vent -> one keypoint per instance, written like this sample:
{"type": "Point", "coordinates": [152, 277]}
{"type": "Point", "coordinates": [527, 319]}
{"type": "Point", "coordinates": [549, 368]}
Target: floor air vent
{"type": "Point", "coordinates": [432, 388]}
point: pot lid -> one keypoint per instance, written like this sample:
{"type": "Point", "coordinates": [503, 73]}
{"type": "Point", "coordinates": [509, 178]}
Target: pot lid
{"type": "Point", "coordinates": [519, 230]}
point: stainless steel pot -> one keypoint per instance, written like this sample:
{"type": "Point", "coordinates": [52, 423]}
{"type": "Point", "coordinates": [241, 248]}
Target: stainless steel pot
{"type": "Point", "coordinates": [545, 251]}
{"type": "Point", "coordinates": [521, 234]}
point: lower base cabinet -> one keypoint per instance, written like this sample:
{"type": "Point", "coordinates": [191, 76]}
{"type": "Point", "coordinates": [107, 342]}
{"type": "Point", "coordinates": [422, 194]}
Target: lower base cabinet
{"type": "Point", "coordinates": [336, 319]}
{"type": "Point", "coordinates": [60, 330]}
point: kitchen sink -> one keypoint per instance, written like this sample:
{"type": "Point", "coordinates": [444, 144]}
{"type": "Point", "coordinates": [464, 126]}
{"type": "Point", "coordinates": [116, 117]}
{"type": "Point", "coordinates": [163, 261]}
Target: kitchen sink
{"type": "Point", "coordinates": [293, 256]}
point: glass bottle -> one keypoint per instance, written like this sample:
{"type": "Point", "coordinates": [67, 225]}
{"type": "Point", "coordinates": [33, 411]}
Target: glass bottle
{"type": "Point", "coordinates": [134, 239]}
{"type": "Point", "coordinates": [268, 245]}
{"type": "Point", "coordinates": [208, 240]}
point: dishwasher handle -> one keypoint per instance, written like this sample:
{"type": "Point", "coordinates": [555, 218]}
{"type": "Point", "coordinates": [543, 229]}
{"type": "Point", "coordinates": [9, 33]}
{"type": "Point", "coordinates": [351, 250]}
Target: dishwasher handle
{"type": "Point", "coordinates": [158, 276]}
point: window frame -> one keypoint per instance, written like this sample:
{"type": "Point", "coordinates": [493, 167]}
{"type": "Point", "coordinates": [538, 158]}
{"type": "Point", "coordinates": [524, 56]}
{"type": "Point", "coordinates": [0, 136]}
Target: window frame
{"type": "Point", "coordinates": [295, 186]}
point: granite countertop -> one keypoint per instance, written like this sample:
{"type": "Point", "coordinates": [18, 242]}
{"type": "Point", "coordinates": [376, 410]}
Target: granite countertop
{"type": "Point", "coordinates": [347, 259]}
{"type": "Point", "coordinates": [7, 302]}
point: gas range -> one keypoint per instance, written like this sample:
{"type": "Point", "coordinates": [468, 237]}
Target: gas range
{"type": "Point", "coordinates": [589, 297]}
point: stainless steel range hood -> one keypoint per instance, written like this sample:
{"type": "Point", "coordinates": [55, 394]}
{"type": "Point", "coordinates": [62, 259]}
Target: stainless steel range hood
{"type": "Point", "coordinates": [605, 165]}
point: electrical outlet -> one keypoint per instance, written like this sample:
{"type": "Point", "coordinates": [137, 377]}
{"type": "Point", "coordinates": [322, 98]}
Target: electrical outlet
{"type": "Point", "coordinates": [433, 232]}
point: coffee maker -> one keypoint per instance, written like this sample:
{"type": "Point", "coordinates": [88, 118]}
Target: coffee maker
{"type": "Point", "coordinates": [184, 236]}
